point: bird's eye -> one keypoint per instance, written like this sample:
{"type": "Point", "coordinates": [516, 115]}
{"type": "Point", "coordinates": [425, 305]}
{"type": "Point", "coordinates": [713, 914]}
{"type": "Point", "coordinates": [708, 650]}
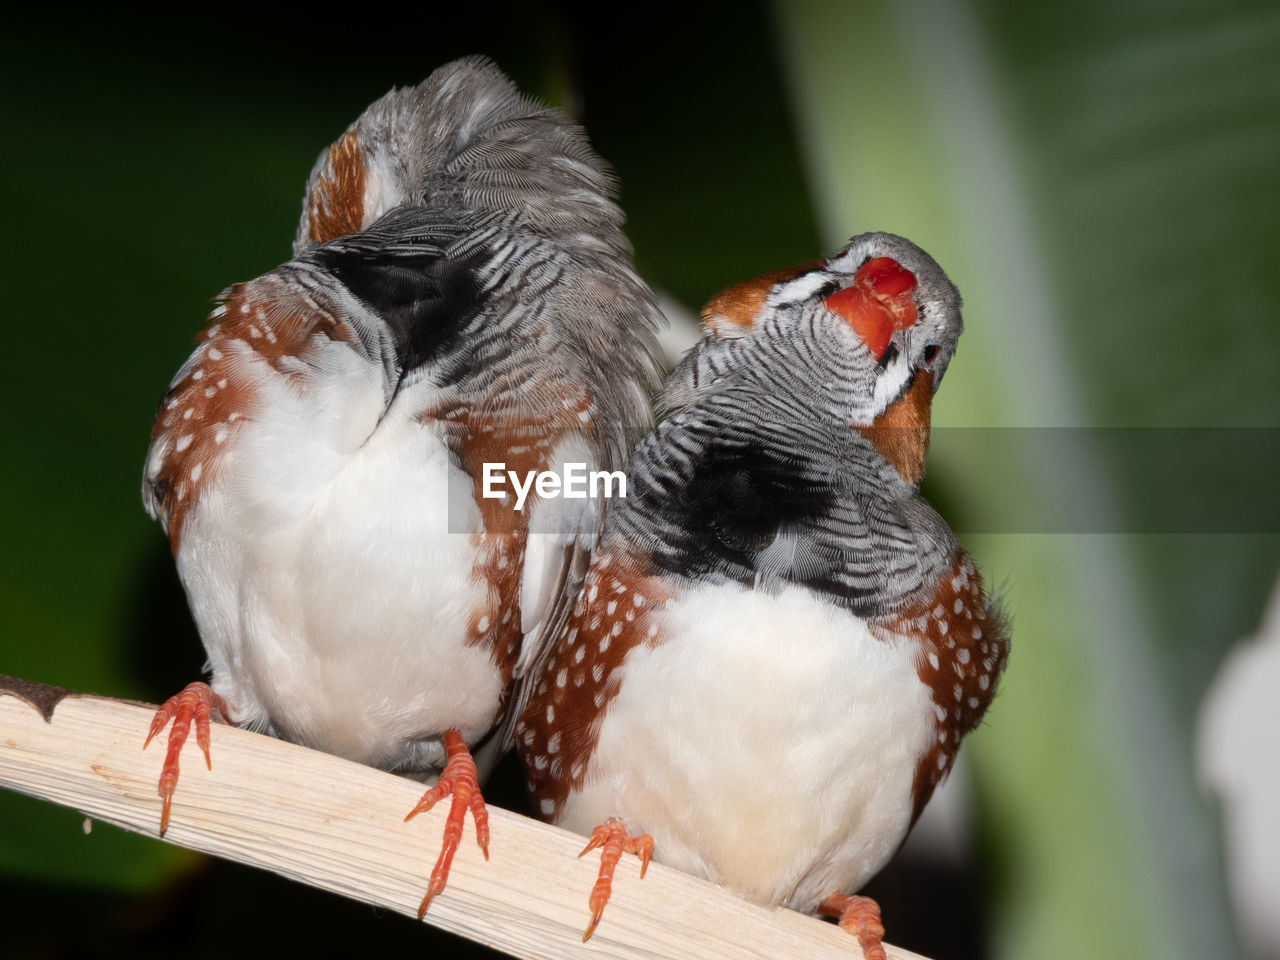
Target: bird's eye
{"type": "Point", "coordinates": [930, 352]}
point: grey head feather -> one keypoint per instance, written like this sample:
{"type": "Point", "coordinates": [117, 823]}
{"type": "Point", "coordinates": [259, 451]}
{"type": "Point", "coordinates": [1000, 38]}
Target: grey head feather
{"type": "Point", "coordinates": [466, 140]}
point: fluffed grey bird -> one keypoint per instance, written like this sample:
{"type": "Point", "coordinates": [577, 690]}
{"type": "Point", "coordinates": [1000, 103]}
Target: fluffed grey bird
{"type": "Point", "coordinates": [779, 643]}
{"type": "Point", "coordinates": [460, 293]}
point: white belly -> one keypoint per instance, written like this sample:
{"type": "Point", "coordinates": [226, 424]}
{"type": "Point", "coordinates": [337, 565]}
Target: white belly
{"type": "Point", "coordinates": [769, 745]}
{"type": "Point", "coordinates": [333, 600]}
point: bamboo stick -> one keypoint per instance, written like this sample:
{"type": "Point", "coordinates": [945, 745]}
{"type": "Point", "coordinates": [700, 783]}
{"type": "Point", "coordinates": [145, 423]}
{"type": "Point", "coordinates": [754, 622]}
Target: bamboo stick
{"type": "Point", "coordinates": [336, 825]}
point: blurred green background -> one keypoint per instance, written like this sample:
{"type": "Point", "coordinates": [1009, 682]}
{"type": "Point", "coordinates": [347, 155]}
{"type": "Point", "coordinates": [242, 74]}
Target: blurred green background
{"type": "Point", "coordinates": [1101, 180]}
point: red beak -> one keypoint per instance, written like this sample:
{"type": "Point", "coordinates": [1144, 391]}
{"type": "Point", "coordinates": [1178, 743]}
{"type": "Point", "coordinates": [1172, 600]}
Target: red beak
{"type": "Point", "coordinates": [878, 303]}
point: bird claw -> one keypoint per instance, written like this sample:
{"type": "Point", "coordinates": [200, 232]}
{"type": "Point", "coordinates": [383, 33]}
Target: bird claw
{"type": "Point", "coordinates": [859, 916]}
{"type": "Point", "coordinates": [196, 702]}
{"type": "Point", "coordinates": [614, 840]}
{"type": "Point", "coordinates": [461, 779]}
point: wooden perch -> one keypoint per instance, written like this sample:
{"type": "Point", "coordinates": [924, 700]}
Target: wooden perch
{"type": "Point", "coordinates": [339, 826]}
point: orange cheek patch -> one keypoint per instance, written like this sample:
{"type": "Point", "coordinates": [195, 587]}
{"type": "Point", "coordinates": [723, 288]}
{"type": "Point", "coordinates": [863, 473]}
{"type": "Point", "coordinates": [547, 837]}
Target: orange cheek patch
{"type": "Point", "coordinates": [336, 205]}
{"type": "Point", "coordinates": [740, 305]}
{"type": "Point", "coordinates": [901, 433]}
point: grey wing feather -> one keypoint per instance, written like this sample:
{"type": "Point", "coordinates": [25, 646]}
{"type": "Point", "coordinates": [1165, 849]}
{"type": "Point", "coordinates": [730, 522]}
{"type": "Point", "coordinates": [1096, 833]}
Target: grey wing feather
{"type": "Point", "coordinates": [724, 492]}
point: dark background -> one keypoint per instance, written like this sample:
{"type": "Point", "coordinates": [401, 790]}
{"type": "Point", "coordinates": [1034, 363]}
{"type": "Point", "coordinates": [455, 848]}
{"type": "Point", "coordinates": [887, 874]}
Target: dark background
{"type": "Point", "coordinates": [1100, 180]}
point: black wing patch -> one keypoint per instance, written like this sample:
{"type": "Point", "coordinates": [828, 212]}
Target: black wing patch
{"type": "Point", "coordinates": [711, 500]}
{"type": "Point", "coordinates": [730, 499]}
{"type": "Point", "coordinates": [737, 500]}
{"type": "Point", "coordinates": [425, 298]}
